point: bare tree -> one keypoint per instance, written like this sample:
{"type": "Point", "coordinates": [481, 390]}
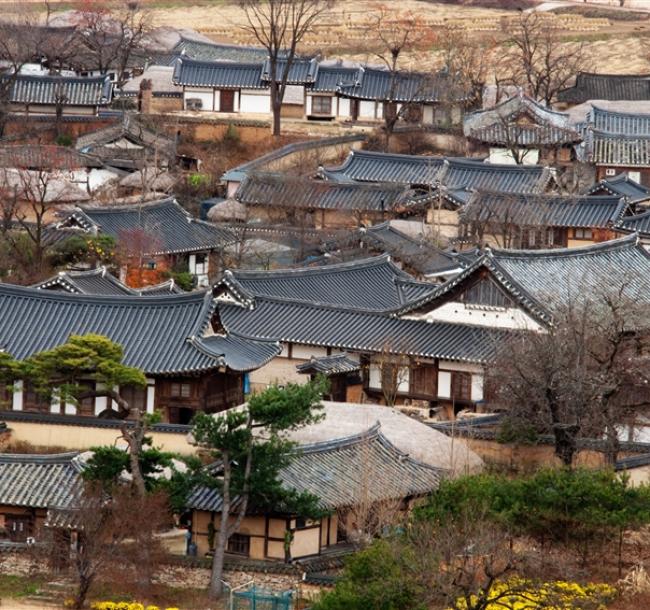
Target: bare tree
{"type": "Point", "coordinates": [111, 34]}
{"type": "Point", "coordinates": [584, 375]}
{"type": "Point", "coordinates": [102, 525]}
{"type": "Point", "coordinates": [538, 60]}
{"type": "Point", "coordinates": [280, 26]}
{"type": "Point", "coordinates": [398, 33]}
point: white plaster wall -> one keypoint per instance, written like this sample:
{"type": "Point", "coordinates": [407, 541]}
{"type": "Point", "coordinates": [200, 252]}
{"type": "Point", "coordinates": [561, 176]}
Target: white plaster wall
{"type": "Point", "coordinates": [344, 107]}
{"type": "Point", "coordinates": [477, 387]}
{"type": "Point", "coordinates": [294, 94]}
{"type": "Point", "coordinates": [374, 378]}
{"type": "Point", "coordinates": [366, 110]}
{"type": "Point", "coordinates": [444, 384]}
{"type": "Point", "coordinates": [457, 312]}
{"type": "Point", "coordinates": [503, 155]}
{"type": "Point", "coordinates": [217, 99]}
{"type": "Point", "coordinates": [252, 101]}
{"type": "Point", "coordinates": [280, 371]}
{"type": "Point", "coordinates": [207, 96]}
{"type": "Point", "coordinates": [305, 352]}
{"type": "Point", "coordinates": [427, 114]}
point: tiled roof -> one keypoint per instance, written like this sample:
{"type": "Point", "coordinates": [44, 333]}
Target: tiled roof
{"type": "Point", "coordinates": [151, 144]}
{"type": "Point", "coordinates": [500, 125]}
{"type": "Point", "coordinates": [452, 173]}
{"type": "Point", "coordinates": [223, 74]}
{"type": "Point", "coordinates": [538, 278]}
{"type": "Point", "coordinates": [329, 365]}
{"type": "Point", "coordinates": [168, 287]}
{"type": "Point", "coordinates": [75, 91]}
{"type": "Point", "coordinates": [604, 148]}
{"type": "Point", "coordinates": [524, 135]}
{"type": "Point", "coordinates": [96, 281]}
{"type": "Point", "coordinates": [468, 175]}
{"type": "Point", "coordinates": [204, 51]}
{"type": "Point", "coordinates": [623, 186]}
{"type": "Point", "coordinates": [301, 71]}
{"type": "Point", "coordinates": [544, 210]}
{"type": "Point", "coordinates": [239, 354]}
{"type": "Point", "coordinates": [169, 227]}
{"type": "Point", "coordinates": [624, 123]}
{"type": "Point", "coordinates": [639, 223]}
{"type": "Point", "coordinates": [329, 78]}
{"type": "Point", "coordinates": [379, 84]}
{"type": "Point", "coordinates": [281, 190]}
{"type": "Point", "coordinates": [419, 255]}
{"type": "Point", "coordinates": [369, 166]}
{"type": "Point", "coordinates": [370, 284]}
{"type": "Point", "coordinates": [270, 319]}
{"type": "Point", "coordinates": [590, 86]}
{"type": "Point", "coordinates": [45, 157]}
{"type": "Point", "coordinates": [346, 472]}
{"type": "Point", "coordinates": [154, 331]}
{"type": "Point", "coordinates": [39, 481]}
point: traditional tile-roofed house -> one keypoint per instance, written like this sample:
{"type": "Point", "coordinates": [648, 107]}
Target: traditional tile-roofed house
{"type": "Point", "coordinates": [101, 282]}
{"type": "Point", "coordinates": [322, 101]}
{"type": "Point", "coordinates": [212, 51]}
{"type": "Point", "coordinates": [621, 185]}
{"type": "Point", "coordinates": [432, 99]}
{"type": "Point", "coordinates": [417, 256]}
{"type": "Point", "coordinates": [274, 197]}
{"type": "Point", "coordinates": [540, 221]}
{"type": "Point", "coordinates": [29, 486]}
{"type": "Point", "coordinates": [521, 130]}
{"type": "Point", "coordinates": [128, 145]}
{"type": "Point", "coordinates": [638, 224]}
{"type": "Point", "coordinates": [617, 142]}
{"type": "Point", "coordinates": [516, 288]}
{"type": "Point", "coordinates": [160, 235]}
{"type": "Point", "coordinates": [154, 91]}
{"type": "Point", "coordinates": [341, 473]}
{"type": "Point", "coordinates": [190, 362]}
{"type": "Point", "coordinates": [222, 86]}
{"type": "Point", "coordinates": [592, 86]}
{"type": "Point", "coordinates": [69, 95]}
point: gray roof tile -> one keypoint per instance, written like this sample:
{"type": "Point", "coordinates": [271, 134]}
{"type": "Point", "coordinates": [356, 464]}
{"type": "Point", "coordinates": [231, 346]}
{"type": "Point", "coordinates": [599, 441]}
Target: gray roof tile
{"type": "Point", "coordinates": [329, 365]}
{"type": "Point", "coordinates": [74, 91]}
{"type": "Point", "coordinates": [345, 472]}
{"type": "Point", "coordinates": [96, 281]}
{"type": "Point", "coordinates": [527, 210]}
{"type": "Point", "coordinates": [591, 86]}
{"type": "Point", "coordinates": [224, 74]}
{"type": "Point", "coordinates": [623, 186]}
{"type": "Point", "coordinates": [39, 481]}
{"type": "Point", "coordinates": [301, 71]}
{"type": "Point", "coordinates": [206, 51]}
{"type": "Point", "coordinates": [170, 228]}
{"type": "Point", "coordinates": [371, 284]}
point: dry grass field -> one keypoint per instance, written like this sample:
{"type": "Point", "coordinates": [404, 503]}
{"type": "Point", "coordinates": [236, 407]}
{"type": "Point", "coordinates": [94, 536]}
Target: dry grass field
{"type": "Point", "coordinates": [618, 46]}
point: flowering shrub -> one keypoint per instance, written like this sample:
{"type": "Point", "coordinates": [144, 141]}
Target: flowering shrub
{"type": "Point", "coordinates": [518, 594]}
{"type": "Point", "coordinates": [125, 606]}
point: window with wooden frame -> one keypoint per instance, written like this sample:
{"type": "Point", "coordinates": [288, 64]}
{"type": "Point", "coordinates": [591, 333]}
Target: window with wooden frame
{"type": "Point", "coordinates": [181, 390]}
{"type": "Point", "coordinates": [239, 544]}
{"type": "Point", "coordinates": [321, 104]}
{"type": "Point", "coordinates": [135, 396]}
{"type": "Point", "coordinates": [583, 234]}
{"type": "Point", "coordinates": [461, 386]}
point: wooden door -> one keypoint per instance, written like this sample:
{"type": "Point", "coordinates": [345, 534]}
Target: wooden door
{"type": "Point", "coordinates": [227, 101]}
{"type": "Point", "coordinates": [18, 527]}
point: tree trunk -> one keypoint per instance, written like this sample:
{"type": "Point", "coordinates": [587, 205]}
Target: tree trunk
{"type": "Point", "coordinates": [277, 110]}
{"type": "Point", "coordinates": [566, 442]}
{"type": "Point", "coordinates": [216, 577]}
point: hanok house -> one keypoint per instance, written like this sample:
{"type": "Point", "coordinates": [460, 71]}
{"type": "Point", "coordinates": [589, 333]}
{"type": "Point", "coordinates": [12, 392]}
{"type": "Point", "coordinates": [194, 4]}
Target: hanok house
{"type": "Point", "coordinates": [226, 86]}
{"type": "Point", "coordinates": [521, 130]}
{"type": "Point", "coordinates": [365, 469]}
{"type": "Point", "coordinates": [622, 185]}
{"type": "Point", "coordinates": [280, 199]}
{"type": "Point", "coordinates": [58, 95]}
{"type": "Point", "coordinates": [540, 221]}
{"type": "Point", "coordinates": [591, 86]}
{"type": "Point", "coordinates": [29, 486]}
{"type": "Point", "coordinates": [319, 312]}
{"type": "Point", "coordinates": [129, 145]}
{"type": "Point", "coordinates": [154, 239]}
{"type": "Point", "coordinates": [448, 182]}
{"type": "Point", "coordinates": [190, 362]}
{"type": "Point", "coordinates": [431, 99]}
{"type": "Point", "coordinates": [617, 142]}
{"type": "Point", "coordinates": [101, 282]}
{"type": "Point", "coordinates": [322, 101]}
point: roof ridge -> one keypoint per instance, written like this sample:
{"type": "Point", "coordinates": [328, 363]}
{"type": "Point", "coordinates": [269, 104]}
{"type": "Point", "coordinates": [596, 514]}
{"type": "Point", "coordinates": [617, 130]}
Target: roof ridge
{"type": "Point", "coordinates": [38, 458]}
{"type": "Point", "coordinates": [219, 63]}
{"type": "Point", "coordinates": [133, 207]}
{"type": "Point", "coordinates": [342, 442]}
